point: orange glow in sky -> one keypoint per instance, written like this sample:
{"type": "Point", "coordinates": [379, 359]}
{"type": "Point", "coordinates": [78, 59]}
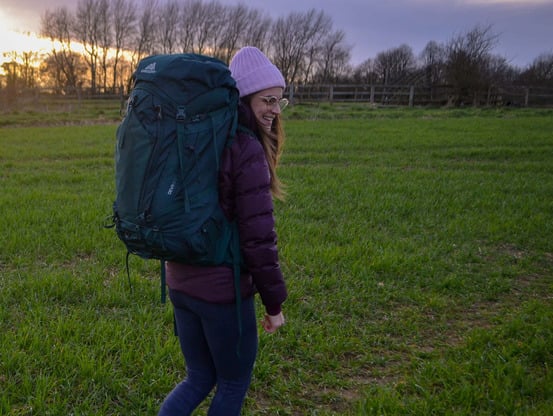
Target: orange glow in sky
{"type": "Point", "coordinates": [14, 41]}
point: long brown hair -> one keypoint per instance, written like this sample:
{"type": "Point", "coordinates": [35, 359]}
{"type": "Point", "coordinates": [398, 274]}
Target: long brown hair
{"type": "Point", "coordinates": [273, 144]}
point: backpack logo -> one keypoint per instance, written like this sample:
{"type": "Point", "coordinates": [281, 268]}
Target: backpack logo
{"type": "Point", "coordinates": [150, 69]}
{"type": "Point", "coordinates": [171, 189]}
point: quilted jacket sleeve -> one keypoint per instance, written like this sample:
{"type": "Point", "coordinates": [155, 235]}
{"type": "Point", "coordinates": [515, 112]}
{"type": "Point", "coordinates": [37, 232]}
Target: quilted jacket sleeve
{"type": "Point", "coordinates": [246, 189]}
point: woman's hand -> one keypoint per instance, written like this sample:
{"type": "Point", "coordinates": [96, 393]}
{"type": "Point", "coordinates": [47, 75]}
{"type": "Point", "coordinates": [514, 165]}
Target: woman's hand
{"type": "Point", "coordinates": [271, 323]}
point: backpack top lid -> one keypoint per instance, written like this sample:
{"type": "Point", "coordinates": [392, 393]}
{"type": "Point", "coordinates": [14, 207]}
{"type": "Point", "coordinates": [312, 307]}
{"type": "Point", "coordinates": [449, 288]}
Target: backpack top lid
{"type": "Point", "coordinates": [185, 75]}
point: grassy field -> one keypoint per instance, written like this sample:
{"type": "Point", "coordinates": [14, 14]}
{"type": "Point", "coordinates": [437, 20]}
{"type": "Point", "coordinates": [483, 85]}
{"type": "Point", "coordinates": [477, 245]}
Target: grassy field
{"type": "Point", "coordinates": [417, 246]}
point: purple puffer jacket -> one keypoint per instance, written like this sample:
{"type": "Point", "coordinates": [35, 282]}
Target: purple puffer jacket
{"type": "Point", "coordinates": [244, 194]}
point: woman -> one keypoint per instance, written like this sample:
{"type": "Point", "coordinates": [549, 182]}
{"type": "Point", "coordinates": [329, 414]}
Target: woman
{"type": "Point", "coordinates": [203, 297]}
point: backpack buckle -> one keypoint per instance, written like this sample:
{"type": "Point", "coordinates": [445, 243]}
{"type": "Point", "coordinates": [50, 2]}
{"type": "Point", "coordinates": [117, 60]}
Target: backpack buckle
{"type": "Point", "coordinates": [181, 114]}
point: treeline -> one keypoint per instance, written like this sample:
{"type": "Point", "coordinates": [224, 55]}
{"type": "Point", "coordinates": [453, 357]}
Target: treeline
{"type": "Point", "coordinates": [97, 45]}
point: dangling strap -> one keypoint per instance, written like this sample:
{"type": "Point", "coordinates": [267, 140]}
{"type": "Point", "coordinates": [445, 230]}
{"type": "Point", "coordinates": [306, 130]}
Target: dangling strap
{"type": "Point", "coordinates": [128, 271]}
{"type": "Point", "coordinates": [162, 268]}
{"type": "Point", "coordinates": [175, 329]}
{"type": "Point", "coordinates": [163, 286]}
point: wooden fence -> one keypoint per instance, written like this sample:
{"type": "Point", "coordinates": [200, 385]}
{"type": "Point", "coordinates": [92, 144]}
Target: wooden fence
{"type": "Point", "coordinates": [381, 95]}
{"type": "Point", "coordinates": [411, 95]}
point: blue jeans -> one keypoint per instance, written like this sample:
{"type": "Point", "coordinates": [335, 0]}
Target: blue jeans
{"type": "Point", "coordinates": [209, 340]}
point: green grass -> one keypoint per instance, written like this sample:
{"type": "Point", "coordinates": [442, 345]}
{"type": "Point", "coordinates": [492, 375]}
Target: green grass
{"type": "Point", "coordinates": [417, 246]}
{"type": "Point", "coordinates": [43, 109]}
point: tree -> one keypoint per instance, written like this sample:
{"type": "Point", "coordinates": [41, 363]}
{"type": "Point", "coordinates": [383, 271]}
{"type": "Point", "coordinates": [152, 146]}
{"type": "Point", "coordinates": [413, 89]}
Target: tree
{"type": "Point", "coordinates": [208, 30]}
{"type": "Point", "coordinates": [88, 29]}
{"type": "Point", "coordinates": [11, 75]}
{"type": "Point", "coordinates": [283, 45]}
{"type": "Point", "coordinates": [21, 69]}
{"type": "Point", "coordinates": [200, 26]}
{"type": "Point", "coordinates": [168, 26]}
{"type": "Point", "coordinates": [296, 42]}
{"type": "Point", "coordinates": [211, 33]}
{"type": "Point", "coordinates": [242, 26]}
{"type": "Point", "coordinates": [144, 40]}
{"type": "Point", "coordinates": [62, 60]}
{"type": "Point", "coordinates": [467, 57]}
{"type": "Point", "coordinates": [320, 27]}
{"type": "Point", "coordinates": [236, 23]}
{"type": "Point", "coordinates": [124, 24]}
{"type": "Point", "coordinates": [257, 31]}
{"type": "Point", "coordinates": [105, 39]}
{"type": "Point", "coordinates": [540, 72]}
{"type": "Point", "coordinates": [57, 76]}
{"type": "Point", "coordinates": [433, 61]}
{"type": "Point", "coordinates": [334, 58]}
{"type": "Point", "coordinates": [395, 65]}
{"type": "Point", "coordinates": [365, 72]}
{"type": "Point", "coordinates": [187, 24]}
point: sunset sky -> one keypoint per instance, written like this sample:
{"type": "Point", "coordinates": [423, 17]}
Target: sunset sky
{"type": "Point", "coordinates": [525, 27]}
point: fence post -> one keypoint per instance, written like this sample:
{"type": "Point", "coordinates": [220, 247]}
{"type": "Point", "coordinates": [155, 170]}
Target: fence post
{"type": "Point", "coordinates": [411, 95]}
{"type": "Point", "coordinates": [331, 93]}
{"type": "Point", "coordinates": [526, 96]}
{"type": "Point", "coordinates": [372, 94]}
{"type": "Point", "coordinates": [291, 93]}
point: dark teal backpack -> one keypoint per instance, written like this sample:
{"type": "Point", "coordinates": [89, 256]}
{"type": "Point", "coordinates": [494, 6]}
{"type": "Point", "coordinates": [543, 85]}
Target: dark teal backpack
{"type": "Point", "coordinates": [181, 114]}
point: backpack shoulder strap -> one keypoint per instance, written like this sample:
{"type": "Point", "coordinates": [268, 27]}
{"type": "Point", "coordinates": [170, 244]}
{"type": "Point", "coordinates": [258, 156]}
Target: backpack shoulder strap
{"type": "Point", "coordinates": [243, 129]}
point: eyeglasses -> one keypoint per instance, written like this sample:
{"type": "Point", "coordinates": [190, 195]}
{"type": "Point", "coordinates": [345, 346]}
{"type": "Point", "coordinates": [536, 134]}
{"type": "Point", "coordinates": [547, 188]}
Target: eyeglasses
{"type": "Point", "coordinates": [271, 101]}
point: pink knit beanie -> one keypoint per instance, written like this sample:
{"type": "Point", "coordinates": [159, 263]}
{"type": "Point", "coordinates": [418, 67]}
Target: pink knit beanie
{"type": "Point", "coordinates": [253, 71]}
